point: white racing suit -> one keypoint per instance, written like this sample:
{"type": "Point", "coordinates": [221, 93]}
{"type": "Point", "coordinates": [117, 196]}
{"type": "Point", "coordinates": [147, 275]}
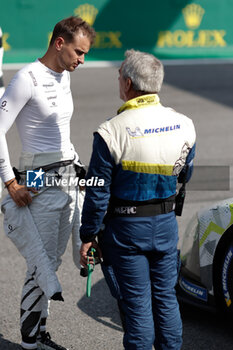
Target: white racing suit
{"type": "Point", "coordinates": [2, 88]}
{"type": "Point", "coordinates": [39, 101]}
{"type": "Point", "coordinates": [41, 231]}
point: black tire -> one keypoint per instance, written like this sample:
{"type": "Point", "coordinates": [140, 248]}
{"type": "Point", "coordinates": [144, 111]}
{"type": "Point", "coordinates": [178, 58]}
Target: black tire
{"type": "Point", "coordinates": [223, 278]}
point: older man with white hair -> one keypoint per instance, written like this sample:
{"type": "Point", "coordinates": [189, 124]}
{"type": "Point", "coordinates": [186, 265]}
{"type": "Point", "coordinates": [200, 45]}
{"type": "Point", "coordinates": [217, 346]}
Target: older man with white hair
{"type": "Point", "coordinates": [140, 154]}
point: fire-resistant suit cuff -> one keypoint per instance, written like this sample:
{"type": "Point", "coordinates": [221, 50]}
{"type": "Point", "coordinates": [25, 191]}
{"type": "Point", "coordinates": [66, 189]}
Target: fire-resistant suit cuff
{"type": "Point", "coordinates": [87, 238]}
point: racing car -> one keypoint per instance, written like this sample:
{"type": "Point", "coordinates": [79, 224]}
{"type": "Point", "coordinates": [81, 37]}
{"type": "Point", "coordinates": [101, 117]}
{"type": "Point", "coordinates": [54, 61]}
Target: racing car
{"type": "Point", "coordinates": [206, 272]}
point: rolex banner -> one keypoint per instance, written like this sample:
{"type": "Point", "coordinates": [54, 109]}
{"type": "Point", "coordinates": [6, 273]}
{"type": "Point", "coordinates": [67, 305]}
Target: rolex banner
{"type": "Point", "coordinates": [168, 28]}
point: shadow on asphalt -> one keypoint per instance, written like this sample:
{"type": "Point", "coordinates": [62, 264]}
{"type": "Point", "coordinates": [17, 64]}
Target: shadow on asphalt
{"type": "Point", "coordinates": [214, 82]}
{"type": "Point", "coordinates": [101, 306]}
{"type": "Point", "coordinates": [8, 345]}
{"type": "Point", "coordinates": [210, 330]}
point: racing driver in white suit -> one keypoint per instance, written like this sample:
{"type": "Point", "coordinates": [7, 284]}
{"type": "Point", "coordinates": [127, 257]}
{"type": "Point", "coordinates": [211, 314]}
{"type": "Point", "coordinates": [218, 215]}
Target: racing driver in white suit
{"type": "Point", "coordinates": [39, 220]}
{"type": "Point", "coordinates": [2, 88]}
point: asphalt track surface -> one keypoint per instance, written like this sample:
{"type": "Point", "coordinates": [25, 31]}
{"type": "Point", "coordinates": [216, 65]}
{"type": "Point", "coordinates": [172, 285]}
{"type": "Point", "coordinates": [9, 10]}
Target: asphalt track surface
{"type": "Point", "coordinates": [204, 93]}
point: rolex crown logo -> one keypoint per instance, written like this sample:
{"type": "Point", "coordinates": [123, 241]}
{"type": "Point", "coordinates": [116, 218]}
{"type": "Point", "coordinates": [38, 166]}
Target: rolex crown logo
{"type": "Point", "coordinates": [193, 14]}
{"type": "Point", "coordinates": [87, 12]}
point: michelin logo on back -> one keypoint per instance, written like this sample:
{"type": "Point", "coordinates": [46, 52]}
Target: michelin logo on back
{"type": "Point", "coordinates": [162, 129]}
{"type": "Point", "coordinates": [137, 132]}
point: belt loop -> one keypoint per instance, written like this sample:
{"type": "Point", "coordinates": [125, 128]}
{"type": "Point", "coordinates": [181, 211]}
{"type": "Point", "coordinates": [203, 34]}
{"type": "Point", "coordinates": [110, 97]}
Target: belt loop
{"type": "Point", "coordinates": [164, 207]}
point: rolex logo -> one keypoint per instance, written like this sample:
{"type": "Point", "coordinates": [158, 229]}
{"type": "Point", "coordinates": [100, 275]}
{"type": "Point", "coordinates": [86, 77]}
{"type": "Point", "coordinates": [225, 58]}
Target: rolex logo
{"type": "Point", "coordinates": [193, 14]}
{"type": "Point", "coordinates": [87, 12]}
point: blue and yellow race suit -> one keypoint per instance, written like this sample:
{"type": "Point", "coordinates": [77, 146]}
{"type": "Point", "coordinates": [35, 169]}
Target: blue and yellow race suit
{"type": "Point", "coordinates": [140, 154]}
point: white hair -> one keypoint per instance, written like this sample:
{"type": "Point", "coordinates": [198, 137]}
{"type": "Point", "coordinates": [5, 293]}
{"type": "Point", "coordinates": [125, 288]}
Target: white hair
{"type": "Point", "coordinates": [145, 71]}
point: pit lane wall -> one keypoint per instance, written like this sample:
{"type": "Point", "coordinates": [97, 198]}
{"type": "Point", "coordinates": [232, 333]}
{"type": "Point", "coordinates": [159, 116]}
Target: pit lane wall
{"type": "Point", "coordinates": [169, 29]}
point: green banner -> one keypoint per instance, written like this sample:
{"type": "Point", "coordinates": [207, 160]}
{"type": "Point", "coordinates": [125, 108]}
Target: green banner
{"type": "Point", "coordinates": [169, 28]}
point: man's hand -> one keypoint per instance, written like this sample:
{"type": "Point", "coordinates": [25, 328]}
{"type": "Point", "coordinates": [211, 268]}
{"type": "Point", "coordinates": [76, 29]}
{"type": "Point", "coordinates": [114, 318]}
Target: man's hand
{"type": "Point", "coordinates": [20, 194]}
{"type": "Point", "coordinates": [83, 252]}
